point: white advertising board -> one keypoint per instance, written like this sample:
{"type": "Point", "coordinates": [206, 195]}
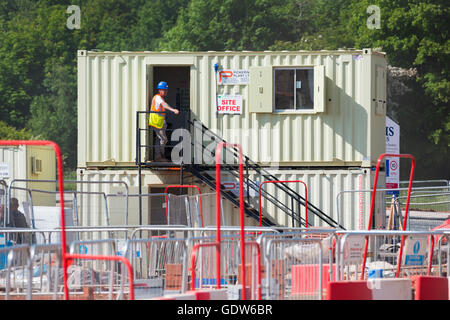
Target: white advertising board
{"type": "Point", "coordinates": [234, 77]}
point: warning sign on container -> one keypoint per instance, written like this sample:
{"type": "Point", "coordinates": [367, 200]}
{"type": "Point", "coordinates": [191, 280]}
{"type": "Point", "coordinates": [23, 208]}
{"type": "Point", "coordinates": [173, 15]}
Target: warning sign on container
{"type": "Point", "coordinates": [4, 170]}
{"type": "Point", "coordinates": [233, 186]}
{"type": "Point", "coordinates": [229, 104]}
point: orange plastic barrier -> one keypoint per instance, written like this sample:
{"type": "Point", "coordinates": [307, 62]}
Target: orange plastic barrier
{"type": "Point", "coordinates": [305, 278]}
{"type": "Point", "coordinates": [349, 290]}
{"type": "Point", "coordinates": [431, 288]}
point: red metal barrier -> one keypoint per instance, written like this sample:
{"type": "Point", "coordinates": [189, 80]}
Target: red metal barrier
{"type": "Point", "coordinates": [67, 258]}
{"type": "Point", "coordinates": [183, 186]}
{"type": "Point", "coordinates": [193, 256]}
{"type": "Point", "coordinates": [430, 259]}
{"type": "Point", "coordinates": [285, 181]}
{"type": "Point", "coordinates": [215, 244]}
{"type": "Point", "coordinates": [258, 267]}
{"type": "Point", "coordinates": [70, 257]}
{"type": "Point", "coordinates": [372, 205]}
{"type": "Point", "coordinates": [241, 207]}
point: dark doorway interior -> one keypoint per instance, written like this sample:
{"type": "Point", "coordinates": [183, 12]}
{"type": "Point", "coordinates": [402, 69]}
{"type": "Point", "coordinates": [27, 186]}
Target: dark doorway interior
{"type": "Point", "coordinates": [178, 79]}
{"type": "Point", "coordinates": [157, 207]}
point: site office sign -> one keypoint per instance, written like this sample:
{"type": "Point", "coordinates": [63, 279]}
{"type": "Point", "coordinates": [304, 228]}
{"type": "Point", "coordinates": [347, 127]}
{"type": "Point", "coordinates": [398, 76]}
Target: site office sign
{"type": "Point", "coordinates": [392, 163]}
{"type": "Point", "coordinates": [229, 104]}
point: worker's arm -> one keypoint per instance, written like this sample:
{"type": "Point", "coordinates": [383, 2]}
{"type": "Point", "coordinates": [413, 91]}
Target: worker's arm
{"type": "Point", "coordinates": [167, 107]}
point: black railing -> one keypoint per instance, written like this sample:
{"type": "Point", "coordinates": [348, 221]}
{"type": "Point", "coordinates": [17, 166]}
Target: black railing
{"type": "Point", "coordinates": [144, 145]}
{"type": "Point", "coordinates": [295, 200]}
{"type": "Point", "coordinates": [291, 207]}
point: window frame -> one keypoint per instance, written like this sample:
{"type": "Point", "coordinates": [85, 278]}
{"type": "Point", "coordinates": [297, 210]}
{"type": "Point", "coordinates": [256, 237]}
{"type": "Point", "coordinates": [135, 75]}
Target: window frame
{"type": "Point", "coordinates": [292, 111]}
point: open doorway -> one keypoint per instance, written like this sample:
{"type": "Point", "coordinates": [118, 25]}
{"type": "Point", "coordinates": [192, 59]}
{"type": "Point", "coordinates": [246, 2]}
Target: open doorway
{"type": "Point", "coordinates": [178, 79]}
{"type": "Point", "coordinates": [157, 214]}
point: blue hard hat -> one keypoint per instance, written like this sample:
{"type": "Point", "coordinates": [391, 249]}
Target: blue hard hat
{"type": "Point", "coordinates": [162, 85]}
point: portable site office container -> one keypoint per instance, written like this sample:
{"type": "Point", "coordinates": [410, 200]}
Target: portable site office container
{"type": "Point", "coordinates": [317, 115]}
{"type": "Point", "coordinates": [28, 163]}
{"type": "Point", "coordinates": [323, 189]}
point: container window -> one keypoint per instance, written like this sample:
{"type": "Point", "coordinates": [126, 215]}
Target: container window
{"type": "Point", "coordinates": [294, 89]}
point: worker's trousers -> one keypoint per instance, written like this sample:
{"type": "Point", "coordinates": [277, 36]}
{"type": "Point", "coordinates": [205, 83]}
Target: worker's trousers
{"type": "Point", "coordinates": [161, 147]}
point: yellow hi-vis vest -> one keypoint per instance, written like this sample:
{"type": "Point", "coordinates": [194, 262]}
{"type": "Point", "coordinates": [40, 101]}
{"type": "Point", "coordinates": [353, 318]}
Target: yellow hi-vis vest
{"type": "Point", "coordinates": [156, 119]}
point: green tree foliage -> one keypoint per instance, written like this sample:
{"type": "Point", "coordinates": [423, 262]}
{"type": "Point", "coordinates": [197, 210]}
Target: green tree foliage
{"type": "Point", "coordinates": [54, 113]}
{"type": "Point", "coordinates": [10, 133]}
{"type": "Point", "coordinates": [233, 25]}
{"type": "Point", "coordinates": [21, 55]}
{"type": "Point", "coordinates": [38, 84]}
{"type": "Point", "coordinates": [38, 54]}
{"type": "Point", "coordinates": [415, 34]}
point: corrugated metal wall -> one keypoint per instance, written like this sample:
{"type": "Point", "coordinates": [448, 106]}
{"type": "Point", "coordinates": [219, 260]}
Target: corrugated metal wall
{"type": "Point", "coordinates": [113, 86]}
{"type": "Point", "coordinates": [341, 132]}
{"type": "Point", "coordinates": [19, 161]}
{"type": "Point", "coordinates": [16, 158]}
{"type": "Point", "coordinates": [323, 187]}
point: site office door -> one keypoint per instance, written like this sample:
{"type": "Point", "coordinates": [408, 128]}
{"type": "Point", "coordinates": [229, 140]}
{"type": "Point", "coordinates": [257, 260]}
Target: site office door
{"type": "Point", "coordinates": [178, 79]}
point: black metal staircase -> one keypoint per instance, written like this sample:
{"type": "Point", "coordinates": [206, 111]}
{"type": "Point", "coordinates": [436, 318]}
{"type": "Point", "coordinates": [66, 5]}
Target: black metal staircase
{"type": "Point", "coordinates": [292, 210]}
{"type": "Point", "coordinates": [202, 171]}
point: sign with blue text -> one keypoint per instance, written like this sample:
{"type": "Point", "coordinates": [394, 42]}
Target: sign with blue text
{"type": "Point", "coordinates": [415, 250]}
{"type": "Point", "coordinates": [392, 163]}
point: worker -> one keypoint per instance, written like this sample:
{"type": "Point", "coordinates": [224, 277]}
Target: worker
{"type": "Point", "coordinates": [157, 119]}
{"type": "Point", "coordinates": [17, 220]}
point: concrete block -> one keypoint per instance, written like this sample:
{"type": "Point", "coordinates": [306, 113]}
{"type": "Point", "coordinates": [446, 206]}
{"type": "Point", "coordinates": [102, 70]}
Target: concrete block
{"type": "Point", "coordinates": [390, 289]}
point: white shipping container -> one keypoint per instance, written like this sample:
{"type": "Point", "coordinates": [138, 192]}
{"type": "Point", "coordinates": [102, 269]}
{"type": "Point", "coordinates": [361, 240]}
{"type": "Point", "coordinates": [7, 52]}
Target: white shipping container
{"type": "Point", "coordinates": [344, 127]}
{"type": "Point", "coordinates": [323, 188]}
{"type": "Point", "coordinates": [28, 163]}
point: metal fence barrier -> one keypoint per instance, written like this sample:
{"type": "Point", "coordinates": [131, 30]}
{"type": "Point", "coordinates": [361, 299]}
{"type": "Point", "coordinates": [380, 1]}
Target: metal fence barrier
{"type": "Point", "coordinates": [203, 266]}
{"type": "Point", "coordinates": [291, 263]}
{"type": "Point", "coordinates": [386, 258]}
{"type": "Point", "coordinates": [45, 263]}
{"type": "Point", "coordinates": [31, 272]}
{"type": "Point", "coordinates": [74, 193]}
{"type": "Point", "coordinates": [427, 211]}
{"type": "Point", "coordinates": [359, 199]}
{"type": "Point", "coordinates": [442, 253]}
{"type": "Point", "coordinates": [159, 265]}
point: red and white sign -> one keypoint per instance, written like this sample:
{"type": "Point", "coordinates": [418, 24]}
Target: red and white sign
{"type": "Point", "coordinates": [234, 77]}
{"type": "Point", "coordinates": [233, 186]}
{"type": "Point", "coordinates": [229, 104]}
{"type": "Point", "coordinates": [393, 147]}
{"type": "Point", "coordinates": [353, 249]}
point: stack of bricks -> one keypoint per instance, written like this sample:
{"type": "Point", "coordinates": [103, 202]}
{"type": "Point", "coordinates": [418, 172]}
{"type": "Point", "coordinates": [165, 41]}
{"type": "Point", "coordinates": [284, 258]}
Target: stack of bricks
{"type": "Point", "coordinates": [277, 273]}
{"type": "Point", "coordinates": [173, 279]}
